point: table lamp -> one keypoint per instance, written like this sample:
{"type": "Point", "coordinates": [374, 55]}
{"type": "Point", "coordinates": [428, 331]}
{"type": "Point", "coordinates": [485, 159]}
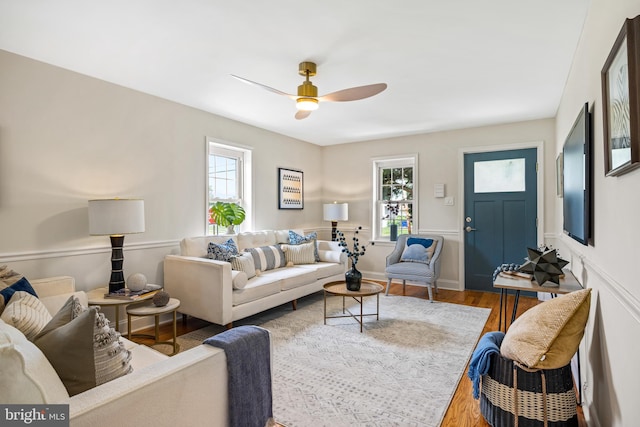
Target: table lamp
{"type": "Point", "coordinates": [115, 218]}
{"type": "Point", "coordinates": [335, 212]}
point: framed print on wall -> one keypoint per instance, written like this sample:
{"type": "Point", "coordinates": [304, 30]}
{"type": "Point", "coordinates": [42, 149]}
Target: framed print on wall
{"type": "Point", "coordinates": [621, 116]}
{"type": "Point", "coordinates": [290, 189]}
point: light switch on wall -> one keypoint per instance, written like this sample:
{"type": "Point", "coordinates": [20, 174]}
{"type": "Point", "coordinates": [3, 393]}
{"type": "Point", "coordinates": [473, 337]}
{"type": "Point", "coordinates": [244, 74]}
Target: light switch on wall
{"type": "Point", "coordinates": [449, 201]}
{"type": "Point", "coordinates": [438, 190]}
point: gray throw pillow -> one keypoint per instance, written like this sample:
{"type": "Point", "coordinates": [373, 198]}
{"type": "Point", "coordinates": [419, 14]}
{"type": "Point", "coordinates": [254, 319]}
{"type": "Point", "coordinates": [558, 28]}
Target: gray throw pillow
{"type": "Point", "coordinates": [82, 348]}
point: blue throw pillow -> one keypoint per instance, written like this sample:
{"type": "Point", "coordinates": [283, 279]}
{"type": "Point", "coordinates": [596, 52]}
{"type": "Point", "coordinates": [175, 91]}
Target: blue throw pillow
{"type": "Point", "coordinates": [222, 252]}
{"type": "Point", "coordinates": [418, 250]}
{"type": "Point", "coordinates": [296, 239]}
{"type": "Point", "coordinates": [21, 285]}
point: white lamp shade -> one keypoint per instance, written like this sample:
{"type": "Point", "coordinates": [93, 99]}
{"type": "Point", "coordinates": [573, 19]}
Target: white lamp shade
{"type": "Point", "coordinates": [108, 217]}
{"type": "Point", "coordinates": [336, 212]}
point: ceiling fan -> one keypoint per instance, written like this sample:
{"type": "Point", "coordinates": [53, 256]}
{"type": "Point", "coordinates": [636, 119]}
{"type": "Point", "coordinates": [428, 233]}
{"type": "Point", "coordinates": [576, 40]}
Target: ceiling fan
{"type": "Point", "coordinates": [307, 98]}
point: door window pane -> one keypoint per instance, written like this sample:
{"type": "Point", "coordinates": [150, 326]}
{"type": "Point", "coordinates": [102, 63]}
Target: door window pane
{"type": "Point", "coordinates": [499, 176]}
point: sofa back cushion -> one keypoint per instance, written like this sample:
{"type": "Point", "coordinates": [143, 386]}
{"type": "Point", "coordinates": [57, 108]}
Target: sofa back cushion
{"type": "Point", "coordinates": [197, 246]}
{"type": "Point", "coordinates": [26, 376]}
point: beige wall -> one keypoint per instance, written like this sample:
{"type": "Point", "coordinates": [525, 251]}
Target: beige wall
{"type": "Point", "coordinates": [610, 266]}
{"type": "Point", "coordinates": [66, 138]}
{"type": "Point", "coordinates": [348, 178]}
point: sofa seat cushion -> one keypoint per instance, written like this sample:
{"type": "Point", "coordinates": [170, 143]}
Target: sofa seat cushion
{"type": "Point", "coordinates": [26, 376]}
{"type": "Point", "coordinates": [324, 269]}
{"type": "Point", "coordinates": [258, 287]}
{"type": "Point", "coordinates": [294, 277]}
{"type": "Point", "coordinates": [410, 271]}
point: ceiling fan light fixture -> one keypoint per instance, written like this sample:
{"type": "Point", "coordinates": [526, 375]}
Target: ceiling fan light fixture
{"type": "Point", "coordinates": [307, 104]}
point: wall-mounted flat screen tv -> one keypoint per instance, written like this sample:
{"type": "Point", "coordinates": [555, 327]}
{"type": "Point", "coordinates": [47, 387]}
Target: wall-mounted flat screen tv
{"type": "Point", "coordinates": [577, 178]}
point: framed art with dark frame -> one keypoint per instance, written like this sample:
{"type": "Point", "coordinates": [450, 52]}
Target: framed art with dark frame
{"type": "Point", "coordinates": [620, 97]}
{"type": "Point", "coordinates": [290, 189]}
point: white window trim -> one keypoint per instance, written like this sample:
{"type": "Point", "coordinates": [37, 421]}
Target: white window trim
{"type": "Point", "coordinates": [246, 179]}
{"type": "Point", "coordinates": [387, 162]}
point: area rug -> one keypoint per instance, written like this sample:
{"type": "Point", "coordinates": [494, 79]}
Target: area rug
{"type": "Point", "coordinates": [401, 371]}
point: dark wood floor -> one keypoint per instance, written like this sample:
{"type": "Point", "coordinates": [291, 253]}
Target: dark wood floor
{"type": "Point", "coordinates": [464, 411]}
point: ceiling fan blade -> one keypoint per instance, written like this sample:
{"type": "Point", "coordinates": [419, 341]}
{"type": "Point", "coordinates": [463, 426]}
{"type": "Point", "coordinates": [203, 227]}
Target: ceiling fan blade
{"type": "Point", "coordinates": [301, 114]}
{"type": "Point", "coordinates": [270, 89]}
{"type": "Point", "coordinates": [354, 93]}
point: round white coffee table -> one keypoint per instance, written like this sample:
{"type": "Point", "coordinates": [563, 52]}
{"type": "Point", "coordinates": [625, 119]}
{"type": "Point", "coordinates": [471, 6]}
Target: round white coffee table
{"type": "Point", "coordinates": [147, 308]}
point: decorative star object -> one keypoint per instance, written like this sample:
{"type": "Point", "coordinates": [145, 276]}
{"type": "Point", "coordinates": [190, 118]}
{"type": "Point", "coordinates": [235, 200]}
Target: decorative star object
{"type": "Point", "coordinates": [544, 265]}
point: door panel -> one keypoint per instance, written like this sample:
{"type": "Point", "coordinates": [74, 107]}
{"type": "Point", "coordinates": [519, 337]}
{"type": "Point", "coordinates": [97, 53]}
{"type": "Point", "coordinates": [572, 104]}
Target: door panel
{"type": "Point", "coordinates": [500, 219]}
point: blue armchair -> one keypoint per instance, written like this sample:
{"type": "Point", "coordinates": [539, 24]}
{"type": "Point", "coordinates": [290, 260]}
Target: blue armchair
{"type": "Point", "coordinates": [420, 273]}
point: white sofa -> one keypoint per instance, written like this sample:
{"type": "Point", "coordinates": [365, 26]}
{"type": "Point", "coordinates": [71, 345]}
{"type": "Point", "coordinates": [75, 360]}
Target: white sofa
{"type": "Point", "coordinates": [205, 286]}
{"type": "Point", "coordinates": [183, 390]}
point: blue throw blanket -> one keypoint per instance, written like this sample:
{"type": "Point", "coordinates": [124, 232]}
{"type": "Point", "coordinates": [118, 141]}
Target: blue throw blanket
{"type": "Point", "coordinates": [249, 366]}
{"type": "Point", "coordinates": [489, 344]}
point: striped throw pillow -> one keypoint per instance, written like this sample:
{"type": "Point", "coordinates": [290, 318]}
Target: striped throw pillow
{"type": "Point", "coordinates": [300, 254]}
{"type": "Point", "coordinates": [244, 263]}
{"type": "Point", "coordinates": [26, 313]}
{"type": "Point", "coordinates": [267, 257]}
{"type": "Point", "coordinates": [296, 239]}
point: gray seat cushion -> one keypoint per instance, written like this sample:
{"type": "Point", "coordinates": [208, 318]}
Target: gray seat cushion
{"type": "Point", "coordinates": [410, 271]}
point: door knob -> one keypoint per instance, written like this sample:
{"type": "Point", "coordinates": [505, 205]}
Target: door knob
{"type": "Point", "coordinates": [469, 229]}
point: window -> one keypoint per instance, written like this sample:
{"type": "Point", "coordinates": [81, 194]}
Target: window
{"type": "Point", "coordinates": [395, 195]}
{"type": "Point", "coordinates": [499, 176]}
{"type": "Point", "coordinates": [228, 179]}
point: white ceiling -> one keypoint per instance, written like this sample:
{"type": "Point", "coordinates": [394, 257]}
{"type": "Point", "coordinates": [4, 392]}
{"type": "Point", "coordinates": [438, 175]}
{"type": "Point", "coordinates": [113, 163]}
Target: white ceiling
{"type": "Point", "coordinates": [448, 64]}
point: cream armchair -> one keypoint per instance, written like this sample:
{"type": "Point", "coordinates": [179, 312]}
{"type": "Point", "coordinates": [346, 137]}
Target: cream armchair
{"type": "Point", "coordinates": [403, 264]}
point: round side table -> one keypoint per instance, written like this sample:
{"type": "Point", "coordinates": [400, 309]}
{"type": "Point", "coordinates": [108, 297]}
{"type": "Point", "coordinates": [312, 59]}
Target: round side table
{"type": "Point", "coordinates": [147, 308]}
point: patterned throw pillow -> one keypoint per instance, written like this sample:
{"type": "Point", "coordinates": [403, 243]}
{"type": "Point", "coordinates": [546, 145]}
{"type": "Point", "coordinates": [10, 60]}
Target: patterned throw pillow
{"type": "Point", "coordinates": [26, 313]}
{"type": "Point", "coordinates": [222, 252]}
{"type": "Point", "coordinates": [299, 254]}
{"type": "Point", "coordinates": [82, 348]}
{"type": "Point", "coordinates": [244, 263]}
{"type": "Point", "coordinates": [296, 239]}
{"type": "Point", "coordinates": [418, 250]}
{"type": "Point", "coordinates": [267, 257]}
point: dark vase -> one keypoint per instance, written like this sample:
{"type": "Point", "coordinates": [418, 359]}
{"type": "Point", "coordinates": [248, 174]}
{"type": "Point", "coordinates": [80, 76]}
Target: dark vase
{"type": "Point", "coordinates": [353, 278]}
{"type": "Point", "coordinates": [393, 232]}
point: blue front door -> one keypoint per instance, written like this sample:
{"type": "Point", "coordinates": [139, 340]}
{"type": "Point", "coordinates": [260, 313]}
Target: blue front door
{"type": "Point", "coordinates": [500, 219]}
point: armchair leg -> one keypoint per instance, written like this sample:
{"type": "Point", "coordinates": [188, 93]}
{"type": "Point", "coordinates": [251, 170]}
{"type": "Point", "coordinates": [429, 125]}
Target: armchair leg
{"type": "Point", "coordinates": [388, 286]}
{"type": "Point", "coordinates": [435, 286]}
{"type": "Point", "coordinates": [294, 304]}
{"type": "Point", "coordinates": [430, 293]}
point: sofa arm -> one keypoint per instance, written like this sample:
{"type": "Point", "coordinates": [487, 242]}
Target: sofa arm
{"type": "Point", "coordinates": [182, 390]}
{"type": "Point", "coordinates": [203, 286]}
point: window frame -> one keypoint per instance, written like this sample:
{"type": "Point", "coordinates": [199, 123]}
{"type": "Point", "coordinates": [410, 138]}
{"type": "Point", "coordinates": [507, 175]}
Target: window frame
{"type": "Point", "coordinates": [387, 162]}
{"type": "Point", "coordinates": [243, 179]}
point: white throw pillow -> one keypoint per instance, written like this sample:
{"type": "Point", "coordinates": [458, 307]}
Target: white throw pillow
{"type": "Point", "coordinates": [244, 263]}
{"type": "Point", "coordinates": [332, 256]}
{"type": "Point", "coordinates": [26, 313]}
{"type": "Point", "coordinates": [26, 376]}
{"type": "Point", "coordinates": [239, 279]}
{"type": "Point", "coordinates": [300, 254]}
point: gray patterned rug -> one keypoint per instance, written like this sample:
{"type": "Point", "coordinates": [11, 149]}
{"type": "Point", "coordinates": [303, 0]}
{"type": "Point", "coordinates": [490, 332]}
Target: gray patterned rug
{"type": "Point", "coordinates": [401, 371]}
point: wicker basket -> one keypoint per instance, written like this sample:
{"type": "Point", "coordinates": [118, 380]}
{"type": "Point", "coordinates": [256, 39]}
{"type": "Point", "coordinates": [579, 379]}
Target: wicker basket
{"type": "Point", "coordinates": [511, 396]}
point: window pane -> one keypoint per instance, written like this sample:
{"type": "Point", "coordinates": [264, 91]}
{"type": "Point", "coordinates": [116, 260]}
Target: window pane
{"type": "Point", "coordinates": [386, 176]}
{"type": "Point", "coordinates": [499, 176]}
{"type": "Point", "coordinates": [397, 175]}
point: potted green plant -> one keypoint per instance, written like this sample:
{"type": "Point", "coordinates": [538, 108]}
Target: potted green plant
{"type": "Point", "coordinates": [226, 214]}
